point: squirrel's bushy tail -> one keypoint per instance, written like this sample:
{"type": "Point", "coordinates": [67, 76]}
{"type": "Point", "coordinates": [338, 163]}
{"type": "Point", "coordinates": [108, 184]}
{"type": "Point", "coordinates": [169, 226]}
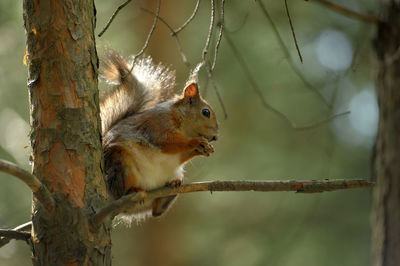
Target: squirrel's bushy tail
{"type": "Point", "coordinates": [135, 91]}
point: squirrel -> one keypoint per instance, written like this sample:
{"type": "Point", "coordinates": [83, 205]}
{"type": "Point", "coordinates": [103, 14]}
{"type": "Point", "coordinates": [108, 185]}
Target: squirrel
{"type": "Point", "coordinates": [148, 132]}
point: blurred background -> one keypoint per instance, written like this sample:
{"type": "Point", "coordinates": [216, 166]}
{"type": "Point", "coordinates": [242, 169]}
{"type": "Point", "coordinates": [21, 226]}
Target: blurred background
{"type": "Point", "coordinates": [235, 228]}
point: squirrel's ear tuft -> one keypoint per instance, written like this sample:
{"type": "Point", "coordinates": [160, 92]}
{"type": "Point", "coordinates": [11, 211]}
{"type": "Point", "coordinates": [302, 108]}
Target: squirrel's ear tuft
{"type": "Point", "coordinates": [191, 91]}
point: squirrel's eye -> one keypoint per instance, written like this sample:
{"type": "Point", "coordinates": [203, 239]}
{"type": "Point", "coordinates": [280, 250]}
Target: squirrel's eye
{"type": "Point", "coordinates": [206, 113]}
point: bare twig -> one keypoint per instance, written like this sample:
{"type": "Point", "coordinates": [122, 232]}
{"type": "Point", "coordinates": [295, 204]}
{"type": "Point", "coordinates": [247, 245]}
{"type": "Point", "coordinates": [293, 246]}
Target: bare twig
{"type": "Point", "coordinates": [173, 34]}
{"type": "Point", "coordinates": [205, 87]}
{"type": "Point", "coordinates": [204, 58]}
{"type": "Point", "coordinates": [267, 105]}
{"type": "Point", "coordinates": [13, 234]}
{"type": "Point", "coordinates": [116, 207]}
{"type": "Point", "coordinates": [39, 190]}
{"type": "Point", "coordinates": [250, 78]}
{"type": "Point", "coordinates": [349, 13]}
{"type": "Point", "coordinates": [113, 16]}
{"type": "Point", "coordinates": [293, 34]}
{"type": "Point", "coordinates": [210, 32]}
{"type": "Point", "coordinates": [23, 227]}
{"type": "Point", "coordinates": [274, 29]}
{"type": "Point", "coordinates": [313, 186]}
{"type": "Point", "coordinates": [320, 122]}
{"type": "Point", "coordinates": [196, 8]}
{"type": "Point", "coordinates": [287, 54]}
{"type": "Point", "coordinates": [221, 102]}
{"type": "Point", "coordinates": [153, 27]}
{"type": "Point", "coordinates": [240, 25]}
{"type": "Point", "coordinates": [221, 29]}
{"type": "Point", "coordinates": [160, 18]}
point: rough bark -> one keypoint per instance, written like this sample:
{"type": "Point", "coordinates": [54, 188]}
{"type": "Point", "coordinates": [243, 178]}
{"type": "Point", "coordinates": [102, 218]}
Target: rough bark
{"type": "Point", "coordinates": [386, 198]}
{"type": "Point", "coordinates": [65, 137]}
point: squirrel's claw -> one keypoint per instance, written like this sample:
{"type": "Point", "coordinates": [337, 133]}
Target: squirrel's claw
{"type": "Point", "coordinates": [174, 183]}
{"type": "Point", "coordinates": [144, 196]}
{"type": "Point", "coordinates": [136, 190]}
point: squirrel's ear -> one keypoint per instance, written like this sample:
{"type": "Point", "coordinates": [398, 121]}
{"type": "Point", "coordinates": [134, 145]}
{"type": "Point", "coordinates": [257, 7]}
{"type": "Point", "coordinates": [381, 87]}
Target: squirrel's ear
{"type": "Point", "coordinates": [191, 91]}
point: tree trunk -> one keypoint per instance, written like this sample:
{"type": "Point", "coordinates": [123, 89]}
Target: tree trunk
{"type": "Point", "coordinates": [65, 137]}
{"type": "Point", "coordinates": [386, 198]}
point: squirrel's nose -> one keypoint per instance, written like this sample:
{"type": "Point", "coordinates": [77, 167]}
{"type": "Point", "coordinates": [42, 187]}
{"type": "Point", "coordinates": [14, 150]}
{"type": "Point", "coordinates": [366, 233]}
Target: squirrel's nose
{"type": "Point", "coordinates": [214, 138]}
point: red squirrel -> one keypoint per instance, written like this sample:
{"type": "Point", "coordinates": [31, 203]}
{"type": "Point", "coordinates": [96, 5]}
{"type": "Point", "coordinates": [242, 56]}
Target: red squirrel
{"type": "Point", "coordinates": [148, 132]}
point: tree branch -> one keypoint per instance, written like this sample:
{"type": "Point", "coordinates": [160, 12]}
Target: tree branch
{"type": "Point", "coordinates": [205, 62]}
{"type": "Point", "coordinates": [293, 33]}
{"type": "Point", "coordinates": [173, 34]}
{"type": "Point", "coordinates": [39, 190]}
{"type": "Point", "coordinates": [196, 8]}
{"type": "Point", "coordinates": [117, 206]}
{"type": "Point", "coordinates": [113, 17]}
{"type": "Point", "coordinates": [210, 32]}
{"type": "Point", "coordinates": [16, 233]}
{"type": "Point", "coordinates": [153, 27]}
{"type": "Point", "coordinates": [312, 186]}
{"type": "Point", "coordinates": [221, 29]}
{"type": "Point", "coordinates": [287, 55]}
{"type": "Point", "coordinates": [349, 13]}
{"type": "Point", "coordinates": [146, 44]}
{"type": "Point", "coordinates": [266, 104]}
{"type": "Point", "coordinates": [219, 97]}
{"type": "Point", "coordinates": [13, 234]}
{"type": "Point", "coordinates": [241, 24]}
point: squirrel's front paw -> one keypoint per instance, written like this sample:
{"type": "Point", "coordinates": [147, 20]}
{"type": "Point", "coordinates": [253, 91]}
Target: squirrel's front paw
{"type": "Point", "coordinates": [204, 148]}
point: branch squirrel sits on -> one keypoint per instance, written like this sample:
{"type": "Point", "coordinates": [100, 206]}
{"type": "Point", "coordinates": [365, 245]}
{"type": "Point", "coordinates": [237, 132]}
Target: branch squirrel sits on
{"type": "Point", "coordinates": [148, 132]}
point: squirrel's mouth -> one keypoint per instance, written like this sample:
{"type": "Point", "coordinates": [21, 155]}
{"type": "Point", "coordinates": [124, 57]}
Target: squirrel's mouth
{"type": "Point", "coordinates": [210, 138]}
{"type": "Point", "coordinates": [213, 138]}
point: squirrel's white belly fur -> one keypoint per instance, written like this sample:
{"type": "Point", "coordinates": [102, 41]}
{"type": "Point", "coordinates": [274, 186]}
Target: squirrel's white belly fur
{"type": "Point", "coordinates": [154, 169]}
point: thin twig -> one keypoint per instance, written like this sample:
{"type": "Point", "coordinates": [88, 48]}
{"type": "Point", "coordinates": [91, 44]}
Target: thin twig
{"type": "Point", "coordinates": [116, 207]}
{"type": "Point", "coordinates": [196, 8]}
{"type": "Point", "coordinates": [287, 55]}
{"type": "Point", "coordinates": [204, 58]}
{"type": "Point", "coordinates": [258, 91]}
{"type": "Point", "coordinates": [362, 41]}
{"type": "Point", "coordinates": [173, 34]}
{"type": "Point", "coordinates": [113, 16]}
{"type": "Point", "coordinates": [205, 87]}
{"type": "Point", "coordinates": [13, 234]}
{"type": "Point", "coordinates": [210, 32]}
{"type": "Point", "coordinates": [180, 51]}
{"type": "Point", "coordinates": [320, 122]}
{"type": "Point", "coordinates": [241, 25]}
{"type": "Point", "coordinates": [153, 27]}
{"type": "Point", "coordinates": [312, 186]}
{"type": "Point", "coordinates": [39, 190]}
{"type": "Point", "coordinates": [250, 78]}
{"type": "Point", "coordinates": [221, 102]}
{"type": "Point", "coordinates": [160, 18]}
{"type": "Point", "coordinates": [23, 227]}
{"type": "Point", "coordinates": [349, 13]}
{"type": "Point", "coordinates": [293, 34]}
{"type": "Point", "coordinates": [221, 29]}
{"type": "Point", "coordinates": [274, 29]}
